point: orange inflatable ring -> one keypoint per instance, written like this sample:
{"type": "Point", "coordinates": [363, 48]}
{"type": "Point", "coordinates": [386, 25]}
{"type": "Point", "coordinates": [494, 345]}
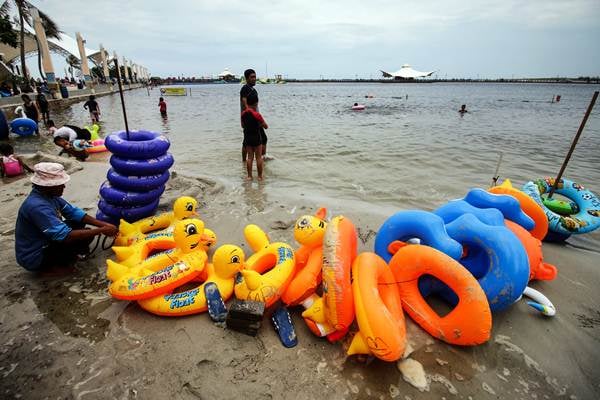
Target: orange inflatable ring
{"type": "Point", "coordinates": [469, 323]}
{"type": "Point", "coordinates": [334, 312]}
{"type": "Point", "coordinates": [528, 205]}
{"type": "Point", "coordinates": [308, 231]}
{"type": "Point", "coordinates": [538, 269]}
{"type": "Point", "coordinates": [378, 310]}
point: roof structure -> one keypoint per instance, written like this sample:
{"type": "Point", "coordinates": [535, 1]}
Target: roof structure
{"type": "Point", "coordinates": [406, 72]}
{"type": "Point", "coordinates": [225, 73]}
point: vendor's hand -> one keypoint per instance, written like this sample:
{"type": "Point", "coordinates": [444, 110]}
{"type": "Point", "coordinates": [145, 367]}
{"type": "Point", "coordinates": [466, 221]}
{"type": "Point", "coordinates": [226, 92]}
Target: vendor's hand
{"type": "Point", "coordinates": [109, 230]}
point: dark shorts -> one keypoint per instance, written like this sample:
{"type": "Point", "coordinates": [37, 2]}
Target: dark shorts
{"type": "Point", "coordinates": [61, 254]}
{"type": "Point", "coordinates": [263, 136]}
{"type": "Point", "coordinates": [252, 140]}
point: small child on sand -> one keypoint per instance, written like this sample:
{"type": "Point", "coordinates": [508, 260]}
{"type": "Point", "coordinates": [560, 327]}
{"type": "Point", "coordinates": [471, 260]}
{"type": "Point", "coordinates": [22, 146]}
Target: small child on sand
{"type": "Point", "coordinates": [76, 148]}
{"type": "Point", "coordinates": [253, 124]}
{"type": "Point", "coordinates": [11, 164]}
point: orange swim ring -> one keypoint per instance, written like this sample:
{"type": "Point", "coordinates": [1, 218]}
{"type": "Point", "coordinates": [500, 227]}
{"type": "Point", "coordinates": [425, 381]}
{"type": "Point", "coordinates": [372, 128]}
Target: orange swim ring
{"type": "Point", "coordinates": [335, 310]}
{"type": "Point", "coordinates": [378, 309]}
{"type": "Point", "coordinates": [538, 269]}
{"type": "Point", "coordinates": [469, 323]}
{"type": "Point", "coordinates": [528, 205]}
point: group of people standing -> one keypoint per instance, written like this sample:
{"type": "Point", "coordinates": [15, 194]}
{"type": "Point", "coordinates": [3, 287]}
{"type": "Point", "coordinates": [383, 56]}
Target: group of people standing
{"type": "Point", "coordinates": [254, 146]}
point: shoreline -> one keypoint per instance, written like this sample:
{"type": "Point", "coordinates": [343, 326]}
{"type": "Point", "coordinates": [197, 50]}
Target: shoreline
{"type": "Point", "coordinates": [68, 338]}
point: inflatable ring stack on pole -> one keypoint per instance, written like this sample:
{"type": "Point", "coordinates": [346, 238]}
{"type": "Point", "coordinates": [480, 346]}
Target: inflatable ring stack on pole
{"type": "Point", "coordinates": [140, 169]}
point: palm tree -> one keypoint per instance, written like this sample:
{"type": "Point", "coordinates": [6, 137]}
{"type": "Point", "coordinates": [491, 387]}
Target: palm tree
{"type": "Point", "coordinates": [72, 62]}
{"type": "Point", "coordinates": [24, 8]}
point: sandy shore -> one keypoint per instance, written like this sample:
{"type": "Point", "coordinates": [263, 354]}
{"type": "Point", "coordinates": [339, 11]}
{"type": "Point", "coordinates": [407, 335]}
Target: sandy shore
{"type": "Point", "coordinates": [66, 338]}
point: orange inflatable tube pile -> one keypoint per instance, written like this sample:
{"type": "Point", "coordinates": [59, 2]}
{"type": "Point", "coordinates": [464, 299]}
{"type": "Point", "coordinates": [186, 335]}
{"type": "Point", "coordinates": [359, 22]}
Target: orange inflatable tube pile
{"type": "Point", "coordinates": [469, 323]}
{"type": "Point", "coordinates": [308, 231]}
{"type": "Point", "coordinates": [332, 314]}
{"type": "Point", "coordinates": [378, 310]}
{"type": "Point", "coordinates": [538, 269]}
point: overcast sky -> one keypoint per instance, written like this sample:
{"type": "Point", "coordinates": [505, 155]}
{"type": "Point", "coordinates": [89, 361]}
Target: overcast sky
{"type": "Point", "coordinates": [343, 39]}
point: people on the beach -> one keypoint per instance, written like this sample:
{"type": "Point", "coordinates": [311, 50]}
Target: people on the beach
{"type": "Point", "coordinates": [75, 148]}
{"type": "Point", "coordinates": [69, 132]}
{"type": "Point", "coordinates": [254, 124]}
{"type": "Point", "coordinates": [43, 105]}
{"type": "Point", "coordinates": [247, 92]}
{"type": "Point", "coordinates": [11, 164]}
{"type": "Point", "coordinates": [50, 233]}
{"type": "Point", "coordinates": [463, 109]}
{"type": "Point", "coordinates": [31, 110]}
{"type": "Point", "coordinates": [162, 106]}
{"type": "Point", "coordinates": [92, 106]}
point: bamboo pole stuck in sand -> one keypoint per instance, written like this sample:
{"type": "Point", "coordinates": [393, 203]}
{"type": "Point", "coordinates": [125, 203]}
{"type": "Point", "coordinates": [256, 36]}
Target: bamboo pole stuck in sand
{"type": "Point", "coordinates": [573, 144]}
{"type": "Point", "coordinates": [121, 94]}
{"type": "Point", "coordinates": [496, 176]}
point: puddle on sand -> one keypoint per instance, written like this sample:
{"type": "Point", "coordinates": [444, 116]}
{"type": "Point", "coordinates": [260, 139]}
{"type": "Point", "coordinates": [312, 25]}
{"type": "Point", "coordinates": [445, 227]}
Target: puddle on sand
{"type": "Point", "coordinates": [74, 303]}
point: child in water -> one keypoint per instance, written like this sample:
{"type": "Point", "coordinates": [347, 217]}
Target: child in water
{"type": "Point", "coordinates": [162, 104]}
{"type": "Point", "coordinates": [76, 148]}
{"type": "Point", "coordinates": [254, 126]}
{"type": "Point", "coordinates": [11, 164]}
{"type": "Point", "coordinates": [92, 106]}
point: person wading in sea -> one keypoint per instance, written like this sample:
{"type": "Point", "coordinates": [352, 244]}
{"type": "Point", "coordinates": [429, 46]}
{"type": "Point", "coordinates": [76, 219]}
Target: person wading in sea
{"type": "Point", "coordinates": [249, 94]}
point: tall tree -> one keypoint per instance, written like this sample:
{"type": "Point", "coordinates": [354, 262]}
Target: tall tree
{"type": "Point", "coordinates": [23, 9]}
{"type": "Point", "coordinates": [72, 62]}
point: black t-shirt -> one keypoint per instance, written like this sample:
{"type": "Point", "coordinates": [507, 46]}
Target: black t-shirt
{"type": "Point", "coordinates": [249, 93]}
{"type": "Point", "coordinates": [92, 105]}
{"type": "Point", "coordinates": [252, 127]}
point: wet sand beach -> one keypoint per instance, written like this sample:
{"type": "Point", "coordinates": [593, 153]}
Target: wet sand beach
{"type": "Point", "coordinates": [67, 338]}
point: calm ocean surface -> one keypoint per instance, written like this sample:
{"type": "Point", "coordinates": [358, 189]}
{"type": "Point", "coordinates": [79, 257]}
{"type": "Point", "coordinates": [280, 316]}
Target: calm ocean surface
{"type": "Point", "coordinates": [414, 152]}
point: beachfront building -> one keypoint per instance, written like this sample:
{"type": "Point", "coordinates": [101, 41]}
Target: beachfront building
{"type": "Point", "coordinates": [406, 72]}
{"type": "Point", "coordinates": [227, 76]}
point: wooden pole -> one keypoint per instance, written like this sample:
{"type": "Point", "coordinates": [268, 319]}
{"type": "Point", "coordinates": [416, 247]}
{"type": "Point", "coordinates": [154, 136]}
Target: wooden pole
{"type": "Point", "coordinates": [122, 99]}
{"type": "Point", "coordinates": [573, 144]}
{"type": "Point", "coordinates": [496, 176]}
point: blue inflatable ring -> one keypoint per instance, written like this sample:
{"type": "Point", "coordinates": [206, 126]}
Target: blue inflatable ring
{"type": "Point", "coordinates": [103, 217]}
{"type": "Point", "coordinates": [129, 199]}
{"type": "Point", "coordinates": [152, 166]}
{"type": "Point", "coordinates": [426, 226]}
{"type": "Point", "coordinates": [507, 205]}
{"type": "Point", "coordinates": [495, 257]}
{"type": "Point", "coordinates": [130, 213]}
{"type": "Point", "coordinates": [23, 126]}
{"type": "Point", "coordinates": [457, 208]}
{"type": "Point", "coordinates": [140, 145]}
{"type": "Point", "coordinates": [586, 220]}
{"type": "Point", "coordinates": [136, 183]}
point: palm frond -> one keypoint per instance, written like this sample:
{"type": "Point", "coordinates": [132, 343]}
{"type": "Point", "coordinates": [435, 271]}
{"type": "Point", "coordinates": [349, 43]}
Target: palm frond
{"type": "Point", "coordinates": [5, 8]}
{"type": "Point", "coordinates": [51, 28]}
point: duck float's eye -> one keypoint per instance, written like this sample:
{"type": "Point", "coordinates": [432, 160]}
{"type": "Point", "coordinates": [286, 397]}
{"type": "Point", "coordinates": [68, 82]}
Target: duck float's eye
{"type": "Point", "coordinates": [191, 229]}
{"type": "Point", "coordinates": [235, 260]}
{"type": "Point", "coordinates": [189, 207]}
{"type": "Point", "coordinates": [303, 223]}
{"type": "Point", "coordinates": [321, 224]}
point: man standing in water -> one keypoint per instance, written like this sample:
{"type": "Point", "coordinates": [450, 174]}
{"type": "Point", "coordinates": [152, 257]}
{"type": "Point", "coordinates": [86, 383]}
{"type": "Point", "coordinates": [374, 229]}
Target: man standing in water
{"type": "Point", "coordinates": [248, 94]}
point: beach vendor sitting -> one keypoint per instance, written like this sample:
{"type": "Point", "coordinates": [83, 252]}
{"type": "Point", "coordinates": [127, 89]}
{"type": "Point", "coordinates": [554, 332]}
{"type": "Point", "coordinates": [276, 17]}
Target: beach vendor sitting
{"type": "Point", "coordinates": [50, 233]}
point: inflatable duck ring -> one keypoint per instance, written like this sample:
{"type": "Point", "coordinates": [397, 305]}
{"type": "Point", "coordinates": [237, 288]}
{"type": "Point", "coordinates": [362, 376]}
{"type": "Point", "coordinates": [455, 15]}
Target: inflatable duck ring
{"type": "Point", "coordinates": [228, 260]}
{"type": "Point", "coordinates": [140, 283]}
{"type": "Point", "coordinates": [268, 271]}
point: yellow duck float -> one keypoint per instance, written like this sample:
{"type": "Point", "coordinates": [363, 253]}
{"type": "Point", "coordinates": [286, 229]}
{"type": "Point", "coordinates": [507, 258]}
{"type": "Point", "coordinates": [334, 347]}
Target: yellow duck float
{"type": "Point", "coordinates": [308, 231]}
{"type": "Point", "coordinates": [129, 233]}
{"type": "Point", "coordinates": [187, 261]}
{"type": "Point", "coordinates": [268, 271]}
{"type": "Point", "coordinates": [228, 260]}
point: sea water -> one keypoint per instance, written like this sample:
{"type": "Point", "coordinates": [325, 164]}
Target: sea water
{"type": "Point", "coordinates": [410, 148]}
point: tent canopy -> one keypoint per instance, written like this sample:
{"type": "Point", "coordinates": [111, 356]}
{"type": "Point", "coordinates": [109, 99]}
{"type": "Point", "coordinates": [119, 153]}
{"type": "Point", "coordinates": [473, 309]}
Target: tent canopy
{"type": "Point", "coordinates": [406, 72]}
{"type": "Point", "coordinates": [225, 73]}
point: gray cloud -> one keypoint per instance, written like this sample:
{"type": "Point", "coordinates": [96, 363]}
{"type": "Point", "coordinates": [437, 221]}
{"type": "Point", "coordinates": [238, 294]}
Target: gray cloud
{"type": "Point", "coordinates": [344, 38]}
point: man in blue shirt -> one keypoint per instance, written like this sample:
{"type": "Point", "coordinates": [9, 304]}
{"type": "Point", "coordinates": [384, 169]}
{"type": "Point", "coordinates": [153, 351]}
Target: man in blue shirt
{"type": "Point", "coordinates": [50, 233]}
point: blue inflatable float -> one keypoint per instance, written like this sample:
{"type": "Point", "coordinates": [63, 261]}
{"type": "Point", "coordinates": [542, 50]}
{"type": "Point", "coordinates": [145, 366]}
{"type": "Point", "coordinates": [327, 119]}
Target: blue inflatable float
{"type": "Point", "coordinates": [23, 126]}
